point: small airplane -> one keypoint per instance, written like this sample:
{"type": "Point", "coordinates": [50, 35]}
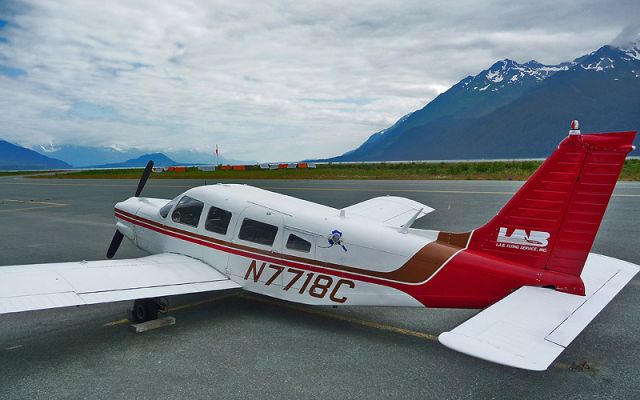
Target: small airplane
{"type": "Point", "coordinates": [529, 268]}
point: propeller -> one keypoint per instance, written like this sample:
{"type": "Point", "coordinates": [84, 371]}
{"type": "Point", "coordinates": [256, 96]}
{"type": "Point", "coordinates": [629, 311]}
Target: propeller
{"type": "Point", "coordinates": [144, 178]}
{"type": "Point", "coordinates": [115, 243]}
{"type": "Point", "coordinates": [117, 237]}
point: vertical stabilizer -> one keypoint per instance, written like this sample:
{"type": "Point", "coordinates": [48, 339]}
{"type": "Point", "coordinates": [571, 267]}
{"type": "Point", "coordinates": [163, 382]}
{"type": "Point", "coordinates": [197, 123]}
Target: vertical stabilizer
{"type": "Point", "coordinates": [552, 221]}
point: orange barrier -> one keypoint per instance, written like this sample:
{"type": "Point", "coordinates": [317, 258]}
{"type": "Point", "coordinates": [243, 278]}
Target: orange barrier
{"type": "Point", "coordinates": [239, 168]}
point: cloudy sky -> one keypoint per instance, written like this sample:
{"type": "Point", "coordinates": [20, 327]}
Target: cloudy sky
{"type": "Point", "coordinates": [265, 80]}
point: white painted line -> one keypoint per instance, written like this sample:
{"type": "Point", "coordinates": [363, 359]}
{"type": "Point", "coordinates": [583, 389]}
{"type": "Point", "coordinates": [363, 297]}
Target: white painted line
{"type": "Point", "coordinates": [40, 205]}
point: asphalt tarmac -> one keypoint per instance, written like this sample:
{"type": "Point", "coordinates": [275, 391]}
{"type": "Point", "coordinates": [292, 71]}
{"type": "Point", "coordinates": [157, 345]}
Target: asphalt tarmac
{"type": "Point", "coordinates": [234, 345]}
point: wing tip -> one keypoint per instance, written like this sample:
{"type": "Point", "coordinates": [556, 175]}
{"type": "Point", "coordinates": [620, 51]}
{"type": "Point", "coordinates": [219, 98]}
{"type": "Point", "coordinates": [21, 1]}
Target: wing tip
{"type": "Point", "coordinates": [489, 352]}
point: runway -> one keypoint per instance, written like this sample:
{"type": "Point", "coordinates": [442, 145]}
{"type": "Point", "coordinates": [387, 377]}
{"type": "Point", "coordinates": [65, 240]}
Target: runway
{"type": "Point", "coordinates": [237, 345]}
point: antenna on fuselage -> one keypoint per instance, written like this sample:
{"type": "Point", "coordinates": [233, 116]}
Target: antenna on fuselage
{"type": "Point", "coordinates": [405, 228]}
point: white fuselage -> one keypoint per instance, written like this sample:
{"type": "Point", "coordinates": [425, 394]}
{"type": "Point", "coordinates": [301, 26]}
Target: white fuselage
{"type": "Point", "coordinates": [312, 275]}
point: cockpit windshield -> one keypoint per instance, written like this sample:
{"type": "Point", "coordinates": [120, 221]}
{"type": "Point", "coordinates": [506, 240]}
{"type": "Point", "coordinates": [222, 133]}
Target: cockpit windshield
{"type": "Point", "coordinates": [164, 211]}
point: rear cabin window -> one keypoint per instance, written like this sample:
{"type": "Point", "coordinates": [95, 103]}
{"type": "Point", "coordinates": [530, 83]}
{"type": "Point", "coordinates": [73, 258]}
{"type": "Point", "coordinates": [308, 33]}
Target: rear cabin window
{"type": "Point", "coordinates": [217, 220]}
{"type": "Point", "coordinates": [187, 211]}
{"type": "Point", "coordinates": [258, 232]}
{"type": "Point", "coordinates": [297, 243]}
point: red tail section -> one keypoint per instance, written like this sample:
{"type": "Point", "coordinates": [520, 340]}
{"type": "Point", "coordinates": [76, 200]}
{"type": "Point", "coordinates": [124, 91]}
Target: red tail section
{"type": "Point", "coordinates": [552, 221]}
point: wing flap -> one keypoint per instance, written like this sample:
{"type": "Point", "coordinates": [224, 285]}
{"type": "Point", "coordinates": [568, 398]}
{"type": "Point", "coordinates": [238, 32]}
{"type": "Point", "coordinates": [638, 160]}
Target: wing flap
{"type": "Point", "coordinates": [390, 210]}
{"type": "Point", "coordinates": [44, 286]}
{"type": "Point", "coordinates": [40, 301]}
{"type": "Point", "coordinates": [141, 293]}
{"type": "Point", "coordinates": [529, 328]}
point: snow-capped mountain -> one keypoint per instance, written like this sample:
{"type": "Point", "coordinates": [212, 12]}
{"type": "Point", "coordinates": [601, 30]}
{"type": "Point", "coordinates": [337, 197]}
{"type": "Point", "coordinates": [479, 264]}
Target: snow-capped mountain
{"type": "Point", "coordinates": [610, 59]}
{"type": "Point", "coordinates": [14, 157]}
{"type": "Point", "coordinates": [85, 156]}
{"type": "Point", "coordinates": [506, 73]}
{"type": "Point", "coordinates": [516, 110]}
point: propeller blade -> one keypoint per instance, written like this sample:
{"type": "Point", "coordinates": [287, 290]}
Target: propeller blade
{"type": "Point", "coordinates": [117, 237]}
{"type": "Point", "coordinates": [144, 177]}
{"type": "Point", "coordinates": [115, 243]}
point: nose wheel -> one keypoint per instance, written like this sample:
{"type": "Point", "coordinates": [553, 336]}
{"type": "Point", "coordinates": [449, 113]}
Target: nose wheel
{"type": "Point", "coordinates": [147, 309]}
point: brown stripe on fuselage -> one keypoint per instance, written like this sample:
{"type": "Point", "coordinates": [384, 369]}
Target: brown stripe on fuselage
{"type": "Point", "coordinates": [417, 269]}
{"type": "Point", "coordinates": [429, 258]}
{"type": "Point", "coordinates": [457, 239]}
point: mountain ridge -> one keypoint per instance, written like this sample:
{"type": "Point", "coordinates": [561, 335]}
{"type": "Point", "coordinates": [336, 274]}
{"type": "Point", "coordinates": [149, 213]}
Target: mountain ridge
{"type": "Point", "coordinates": [14, 157]}
{"type": "Point", "coordinates": [159, 160]}
{"type": "Point", "coordinates": [514, 110]}
{"type": "Point", "coordinates": [87, 156]}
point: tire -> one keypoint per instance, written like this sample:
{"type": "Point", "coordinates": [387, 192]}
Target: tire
{"type": "Point", "coordinates": [144, 310]}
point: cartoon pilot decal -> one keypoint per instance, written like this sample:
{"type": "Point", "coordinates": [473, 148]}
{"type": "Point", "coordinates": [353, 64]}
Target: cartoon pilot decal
{"type": "Point", "coordinates": [336, 239]}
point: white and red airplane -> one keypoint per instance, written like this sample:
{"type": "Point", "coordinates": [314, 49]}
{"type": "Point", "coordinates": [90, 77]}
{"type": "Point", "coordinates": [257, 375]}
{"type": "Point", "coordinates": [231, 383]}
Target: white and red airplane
{"type": "Point", "coordinates": [529, 267]}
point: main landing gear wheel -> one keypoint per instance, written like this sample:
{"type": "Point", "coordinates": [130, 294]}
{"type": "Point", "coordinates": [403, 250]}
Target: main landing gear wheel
{"type": "Point", "coordinates": [147, 309]}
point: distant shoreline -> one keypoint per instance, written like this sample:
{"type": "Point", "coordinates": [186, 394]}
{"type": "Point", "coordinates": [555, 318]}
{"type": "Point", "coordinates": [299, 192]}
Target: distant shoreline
{"type": "Point", "coordinates": [485, 170]}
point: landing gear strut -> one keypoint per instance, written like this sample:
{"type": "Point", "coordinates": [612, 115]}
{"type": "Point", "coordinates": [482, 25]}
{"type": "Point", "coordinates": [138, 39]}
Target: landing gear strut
{"type": "Point", "coordinates": [147, 309]}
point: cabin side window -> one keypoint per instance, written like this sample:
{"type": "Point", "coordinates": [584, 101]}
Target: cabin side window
{"type": "Point", "coordinates": [258, 232]}
{"type": "Point", "coordinates": [297, 243]}
{"type": "Point", "coordinates": [217, 220]}
{"type": "Point", "coordinates": [187, 211]}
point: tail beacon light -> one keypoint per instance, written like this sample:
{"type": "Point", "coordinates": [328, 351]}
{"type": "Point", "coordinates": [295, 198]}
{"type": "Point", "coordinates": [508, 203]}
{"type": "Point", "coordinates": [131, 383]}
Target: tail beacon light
{"type": "Point", "coordinates": [575, 127]}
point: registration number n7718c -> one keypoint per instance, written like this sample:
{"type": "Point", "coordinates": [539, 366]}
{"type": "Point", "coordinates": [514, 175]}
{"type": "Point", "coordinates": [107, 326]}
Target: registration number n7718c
{"type": "Point", "coordinates": [314, 284]}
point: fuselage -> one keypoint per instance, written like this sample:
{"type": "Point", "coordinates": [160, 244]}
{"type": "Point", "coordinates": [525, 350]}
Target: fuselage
{"type": "Point", "coordinates": [300, 264]}
{"type": "Point", "coordinates": [305, 252]}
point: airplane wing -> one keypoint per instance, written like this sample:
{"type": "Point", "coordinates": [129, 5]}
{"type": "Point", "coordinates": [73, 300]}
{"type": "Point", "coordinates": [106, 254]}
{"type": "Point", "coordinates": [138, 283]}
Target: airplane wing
{"type": "Point", "coordinates": [530, 327]}
{"type": "Point", "coordinates": [43, 286]}
{"type": "Point", "coordinates": [390, 210]}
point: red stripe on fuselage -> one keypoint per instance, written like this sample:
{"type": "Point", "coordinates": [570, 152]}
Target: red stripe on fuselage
{"type": "Point", "coordinates": [409, 289]}
{"type": "Point", "coordinates": [470, 280]}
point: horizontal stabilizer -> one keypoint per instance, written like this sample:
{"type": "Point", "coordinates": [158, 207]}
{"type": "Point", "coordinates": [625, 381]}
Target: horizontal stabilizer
{"type": "Point", "coordinates": [390, 210]}
{"type": "Point", "coordinates": [529, 328]}
{"type": "Point", "coordinates": [44, 286]}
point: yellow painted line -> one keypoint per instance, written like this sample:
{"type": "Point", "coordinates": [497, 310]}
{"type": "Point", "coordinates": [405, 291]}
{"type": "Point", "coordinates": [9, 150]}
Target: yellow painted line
{"type": "Point", "coordinates": [281, 188]}
{"type": "Point", "coordinates": [368, 324]}
{"type": "Point", "coordinates": [389, 190]}
{"type": "Point", "coordinates": [317, 312]}
{"type": "Point", "coordinates": [117, 322]}
{"type": "Point", "coordinates": [325, 189]}
{"type": "Point", "coordinates": [413, 191]}
{"type": "Point", "coordinates": [345, 318]}
{"type": "Point", "coordinates": [199, 303]}
{"type": "Point", "coordinates": [177, 308]}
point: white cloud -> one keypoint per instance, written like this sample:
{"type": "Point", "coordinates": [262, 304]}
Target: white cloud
{"type": "Point", "coordinates": [266, 80]}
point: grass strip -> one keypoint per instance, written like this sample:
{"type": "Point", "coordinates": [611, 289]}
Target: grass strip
{"type": "Point", "coordinates": [489, 170]}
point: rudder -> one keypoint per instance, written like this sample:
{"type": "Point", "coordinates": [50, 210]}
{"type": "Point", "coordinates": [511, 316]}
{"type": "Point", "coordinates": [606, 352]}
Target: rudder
{"type": "Point", "coordinates": [552, 221]}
